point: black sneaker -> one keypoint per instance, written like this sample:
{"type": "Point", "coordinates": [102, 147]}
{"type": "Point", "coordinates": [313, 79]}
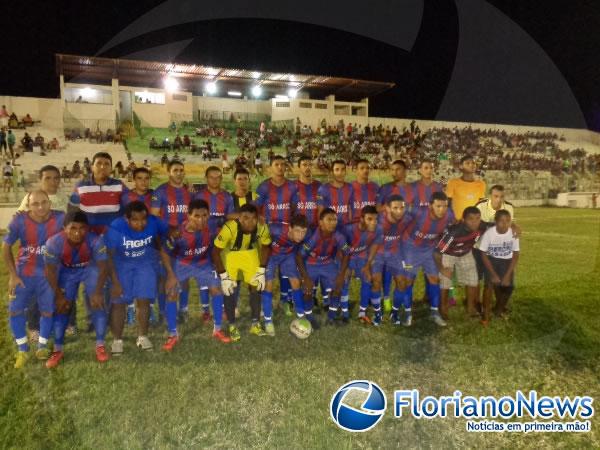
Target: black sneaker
{"type": "Point", "coordinates": [345, 321]}
{"type": "Point", "coordinates": [313, 321]}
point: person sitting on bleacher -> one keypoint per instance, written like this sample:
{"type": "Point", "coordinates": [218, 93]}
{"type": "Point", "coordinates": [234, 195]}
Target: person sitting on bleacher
{"type": "Point", "coordinates": [109, 135]}
{"type": "Point", "coordinates": [177, 143]}
{"type": "Point", "coordinates": [53, 144]}
{"type": "Point", "coordinates": [39, 141]}
{"type": "Point", "coordinates": [27, 120]}
{"type": "Point", "coordinates": [153, 144]}
{"type": "Point", "coordinates": [187, 142]}
{"type": "Point", "coordinates": [13, 121]}
{"type": "Point", "coordinates": [66, 174]}
{"type": "Point", "coordinates": [27, 143]}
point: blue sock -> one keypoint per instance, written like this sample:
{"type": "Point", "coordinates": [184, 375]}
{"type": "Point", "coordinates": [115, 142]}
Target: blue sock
{"type": "Point", "coordinates": [17, 326]}
{"type": "Point", "coordinates": [365, 296]}
{"type": "Point", "coordinates": [333, 308]}
{"type": "Point", "coordinates": [99, 320]}
{"type": "Point", "coordinates": [297, 295]}
{"type": "Point", "coordinates": [267, 305]}
{"type": "Point", "coordinates": [204, 301]}
{"type": "Point", "coordinates": [398, 299]}
{"type": "Point", "coordinates": [326, 298]}
{"type": "Point", "coordinates": [308, 306]}
{"type": "Point", "coordinates": [217, 304]}
{"type": "Point", "coordinates": [45, 329]}
{"type": "Point", "coordinates": [284, 288]}
{"type": "Point", "coordinates": [387, 283]}
{"type": "Point", "coordinates": [171, 313]}
{"type": "Point", "coordinates": [434, 296]}
{"type": "Point", "coordinates": [60, 325]}
{"type": "Point", "coordinates": [162, 300]}
{"type": "Point", "coordinates": [408, 298]}
{"type": "Point", "coordinates": [184, 298]}
{"type": "Point", "coordinates": [376, 302]}
{"type": "Point", "coordinates": [345, 304]}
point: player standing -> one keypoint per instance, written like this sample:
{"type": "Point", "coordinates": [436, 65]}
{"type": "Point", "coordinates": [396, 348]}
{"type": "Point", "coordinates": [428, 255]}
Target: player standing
{"type": "Point", "coordinates": [465, 190]}
{"type": "Point", "coordinates": [305, 200]}
{"type": "Point", "coordinates": [337, 194]}
{"type": "Point", "coordinates": [141, 189]}
{"type": "Point", "coordinates": [191, 252]}
{"type": "Point", "coordinates": [27, 278]}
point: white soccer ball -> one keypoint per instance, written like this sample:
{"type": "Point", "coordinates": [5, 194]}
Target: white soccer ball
{"type": "Point", "coordinates": [301, 328]}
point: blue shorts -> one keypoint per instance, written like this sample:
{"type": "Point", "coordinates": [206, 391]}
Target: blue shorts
{"type": "Point", "coordinates": [392, 264]}
{"type": "Point", "coordinates": [287, 266]}
{"type": "Point", "coordinates": [417, 258]}
{"type": "Point", "coordinates": [205, 276]}
{"type": "Point", "coordinates": [70, 279]}
{"type": "Point", "coordinates": [36, 289]}
{"type": "Point", "coordinates": [324, 274]}
{"type": "Point", "coordinates": [356, 265]}
{"type": "Point", "coordinates": [138, 282]}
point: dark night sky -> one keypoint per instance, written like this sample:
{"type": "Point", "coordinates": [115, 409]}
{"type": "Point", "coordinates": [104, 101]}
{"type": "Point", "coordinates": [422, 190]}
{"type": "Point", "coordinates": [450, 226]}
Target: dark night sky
{"type": "Point", "coordinates": [567, 31]}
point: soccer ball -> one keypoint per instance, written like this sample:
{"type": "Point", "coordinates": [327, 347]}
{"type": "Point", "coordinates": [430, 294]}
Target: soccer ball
{"type": "Point", "coordinates": [301, 328]}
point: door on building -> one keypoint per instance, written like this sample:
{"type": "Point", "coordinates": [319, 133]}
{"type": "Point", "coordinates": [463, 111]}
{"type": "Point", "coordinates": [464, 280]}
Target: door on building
{"type": "Point", "coordinates": [125, 109]}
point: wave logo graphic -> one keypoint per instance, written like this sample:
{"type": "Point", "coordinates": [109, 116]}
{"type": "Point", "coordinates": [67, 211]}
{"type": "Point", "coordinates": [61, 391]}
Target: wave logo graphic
{"type": "Point", "coordinates": [353, 419]}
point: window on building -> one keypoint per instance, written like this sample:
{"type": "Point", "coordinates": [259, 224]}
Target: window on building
{"type": "Point", "coordinates": [153, 98]}
{"type": "Point", "coordinates": [282, 104]}
{"type": "Point", "coordinates": [88, 95]}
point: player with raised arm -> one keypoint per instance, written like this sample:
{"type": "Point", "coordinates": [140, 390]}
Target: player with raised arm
{"type": "Point", "coordinates": [134, 244]}
{"type": "Point", "coordinates": [75, 256]}
{"type": "Point", "coordinates": [27, 278]}
{"type": "Point", "coordinates": [191, 252]}
{"type": "Point", "coordinates": [323, 258]}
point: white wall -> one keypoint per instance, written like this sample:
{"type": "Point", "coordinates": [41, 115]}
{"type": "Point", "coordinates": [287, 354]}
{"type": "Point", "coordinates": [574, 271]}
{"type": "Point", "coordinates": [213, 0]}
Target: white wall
{"type": "Point", "coordinates": [157, 115]}
{"type": "Point", "coordinates": [48, 110]}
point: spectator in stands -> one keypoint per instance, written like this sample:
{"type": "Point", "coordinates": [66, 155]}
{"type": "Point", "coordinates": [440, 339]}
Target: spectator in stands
{"type": "Point", "coordinates": [87, 167]}
{"type": "Point", "coordinates": [164, 160]}
{"type": "Point", "coordinates": [225, 161]}
{"type": "Point", "coordinates": [177, 143]}
{"type": "Point", "coordinates": [76, 170]}
{"type": "Point", "coordinates": [66, 174]}
{"type": "Point", "coordinates": [13, 121]}
{"type": "Point", "coordinates": [7, 176]}
{"type": "Point", "coordinates": [4, 116]}
{"type": "Point", "coordinates": [153, 144]}
{"type": "Point", "coordinates": [258, 164]}
{"type": "Point", "coordinates": [27, 120]}
{"type": "Point", "coordinates": [119, 170]}
{"type": "Point", "coordinates": [53, 144]}
{"type": "Point", "coordinates": [27, 143]}
{"type": "Point", "coordinates": [187, 142]}
{"type": "Point", "coordinates": [11, 139]}
{"type": "Point", "coordinates": [39, 141]}
{"type": "Point", "coordinates": [3, 145]}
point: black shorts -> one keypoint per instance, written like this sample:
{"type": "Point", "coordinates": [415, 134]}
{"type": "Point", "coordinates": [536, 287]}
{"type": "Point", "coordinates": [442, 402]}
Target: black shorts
{"type": "Point", "coordinates": [500, 267]}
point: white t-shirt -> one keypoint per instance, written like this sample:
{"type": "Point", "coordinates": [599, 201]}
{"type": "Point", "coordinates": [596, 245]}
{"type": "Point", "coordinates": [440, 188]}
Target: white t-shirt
{"type": "Point", "coordinates": [498, 245]}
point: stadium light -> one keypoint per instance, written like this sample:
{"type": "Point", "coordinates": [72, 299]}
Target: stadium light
{"type": "Point", "coordinates": [256, 91]}
{"type": "Point", "coordinates": [292, 93]}
{"type": "Point", "coordinates": [234, 93]}
{"type": "Point", "coordinates": [171, 84]}
{"type": "Point", "coordinates": [86, 92]}
{"type": "Point", "coordinates": [256, 75]}
{"type": "Point", "coordinates": [211, 88]}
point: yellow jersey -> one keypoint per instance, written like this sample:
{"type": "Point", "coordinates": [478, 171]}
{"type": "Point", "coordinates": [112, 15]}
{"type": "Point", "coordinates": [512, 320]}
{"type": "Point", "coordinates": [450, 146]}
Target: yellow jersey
{"type": "Point", "coordinates": [233, 239]}
{"type": "Point", "coordinates": [464, 193]}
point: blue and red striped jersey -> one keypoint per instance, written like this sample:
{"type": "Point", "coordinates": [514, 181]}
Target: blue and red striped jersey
{"type": "Point", "coordinates": [60, 251]}
{"type": "Point", "coordinates": [281, 244]}
{"type": "Point", "coordinates": [364, 195]}
{"type": "Point", "coordinates": [359, 241]}
{"type": "Point", "coordinates": [318, 249]}
{"type": "Point", "coordinates": [276, 201]}
{"type": "Point", "coordinates": [132, 196]}
{"type": "Point", "coordinates": [101, 203]}
{"type": "Point", "coordinates": [422, 193]}
{"type": "Point", "coordinates": [305, 202]}
{"type": "Point", "coordinates": [425, 230]}
{"type": "Point", "coordinates": [193, 248]}
{"type": "Point", "coordinates": [339, 199]}
{"type": "Point", "coordinates": [219, 205]}
{"type": "Point", "coordinates": [393, 233]}
{"type": "Point", "coordinates": [173, 203]}
{"type": "Point", "coordinates": [389, 189]}
{"type": "Point", "coordinates": [32, 237]}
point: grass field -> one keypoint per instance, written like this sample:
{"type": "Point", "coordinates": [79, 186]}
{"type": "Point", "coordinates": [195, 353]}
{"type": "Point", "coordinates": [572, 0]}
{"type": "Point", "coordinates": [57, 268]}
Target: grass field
{"type": "Point", "coordinates": [275, 392]}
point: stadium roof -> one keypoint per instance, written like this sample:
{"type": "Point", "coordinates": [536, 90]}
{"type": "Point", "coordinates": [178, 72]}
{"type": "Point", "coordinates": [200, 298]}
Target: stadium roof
{"type": "Point", "coordinates": [191, 77]}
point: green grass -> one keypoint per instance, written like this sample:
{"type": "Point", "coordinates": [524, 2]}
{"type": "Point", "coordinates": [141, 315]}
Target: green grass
{"type": "Point", "coordinates": [275, 392]}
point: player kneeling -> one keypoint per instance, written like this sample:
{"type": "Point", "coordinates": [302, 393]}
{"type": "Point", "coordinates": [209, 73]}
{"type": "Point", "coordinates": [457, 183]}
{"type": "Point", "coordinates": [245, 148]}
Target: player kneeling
{"type": "Point", "coordinates": [134, 244]}
{"type": "Point", "coordinates": [75, 256]}
{"type": "Point", "coordinates": [191, 250]}
{"type": "Point", "coordinates": [324, 259]}
{"type": "Point", "coordinates": [286, 240]}
{"type": "Point", "coordinates": [247, 244]}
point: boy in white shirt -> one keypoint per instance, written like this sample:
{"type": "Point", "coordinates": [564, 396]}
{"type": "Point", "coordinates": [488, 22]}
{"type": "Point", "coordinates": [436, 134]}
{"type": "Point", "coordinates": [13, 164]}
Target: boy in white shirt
{"type": "Point", "coordinates": [500, 254]}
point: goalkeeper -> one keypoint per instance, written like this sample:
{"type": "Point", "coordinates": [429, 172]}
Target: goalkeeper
{"type": "Point", "coordinates": [246, 245]}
